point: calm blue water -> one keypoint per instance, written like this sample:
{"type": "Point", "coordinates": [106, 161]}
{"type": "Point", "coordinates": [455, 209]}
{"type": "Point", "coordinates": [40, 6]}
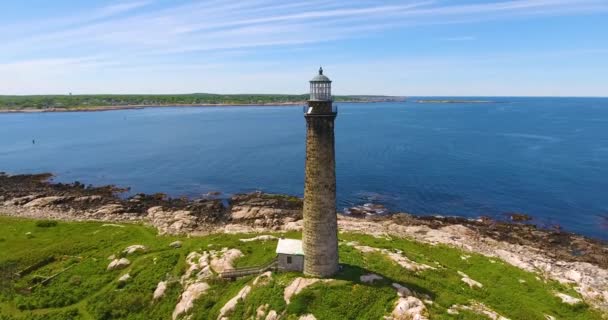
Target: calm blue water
{"type": "Point", "coordinates": [544, 156]}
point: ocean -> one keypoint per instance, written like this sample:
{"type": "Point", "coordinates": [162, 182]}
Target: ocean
{"type": "Point", "coordinates": [546, 157]}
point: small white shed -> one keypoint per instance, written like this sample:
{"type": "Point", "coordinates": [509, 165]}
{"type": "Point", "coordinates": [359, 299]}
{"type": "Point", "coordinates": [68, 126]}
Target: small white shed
{"type": "Point", "coordinates": [290, 255]}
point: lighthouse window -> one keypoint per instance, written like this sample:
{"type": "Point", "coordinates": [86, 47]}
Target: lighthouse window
{"type": "Point", "coordinates": [288, 260]}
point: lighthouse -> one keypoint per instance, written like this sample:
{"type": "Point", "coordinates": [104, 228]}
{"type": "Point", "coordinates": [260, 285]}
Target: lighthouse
{"type": "Point", "coordinates": [320, 234]}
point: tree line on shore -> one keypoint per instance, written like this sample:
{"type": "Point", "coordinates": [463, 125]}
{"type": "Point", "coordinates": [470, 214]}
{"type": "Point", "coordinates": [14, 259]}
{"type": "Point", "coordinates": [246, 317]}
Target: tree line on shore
{"type": "Point", "coordinates": [84, 101]}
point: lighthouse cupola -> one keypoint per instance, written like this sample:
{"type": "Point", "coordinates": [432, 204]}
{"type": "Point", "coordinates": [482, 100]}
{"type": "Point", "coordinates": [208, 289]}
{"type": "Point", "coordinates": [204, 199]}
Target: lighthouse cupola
{"type": "Point", "coordinates": [320, 102]}
{"type": "Point", "coordinates": [320, 87]}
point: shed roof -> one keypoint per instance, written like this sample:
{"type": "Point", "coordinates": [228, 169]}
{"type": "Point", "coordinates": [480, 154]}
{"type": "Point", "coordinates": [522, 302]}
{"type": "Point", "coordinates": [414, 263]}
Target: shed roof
{"type": "Point", "coordinates": [290, 246]}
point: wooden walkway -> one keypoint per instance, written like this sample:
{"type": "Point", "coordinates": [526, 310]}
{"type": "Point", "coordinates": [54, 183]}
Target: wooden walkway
{"type": "Point", "coordinates": [242, 272]}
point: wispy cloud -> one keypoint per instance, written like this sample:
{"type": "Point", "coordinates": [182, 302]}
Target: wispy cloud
{"type": "Point", "coordinates": [122, 7]}
{"type": "Point", "coordinates": [29, 28]}
{"type": "Point", "coordinates": [461, 38]}
{"type": "Point", "coordinates": [148, 33]}
{"type": "Point", "coordinates": [217, 25]}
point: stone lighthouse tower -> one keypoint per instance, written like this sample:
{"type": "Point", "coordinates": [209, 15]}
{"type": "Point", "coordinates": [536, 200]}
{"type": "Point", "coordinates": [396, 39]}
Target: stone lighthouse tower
{"type": "Point", "coordinates": [320, 235]}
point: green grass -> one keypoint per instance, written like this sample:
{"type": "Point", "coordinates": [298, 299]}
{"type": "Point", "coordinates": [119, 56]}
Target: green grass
{"type": "Point", "coordinates": [84, 289]}
{"type": "Point", "coordinates": [344, 300]}
{"type": "Point", "coordinates": [271, 294]}
{"type": "Point", "coordinates": [502, 289]}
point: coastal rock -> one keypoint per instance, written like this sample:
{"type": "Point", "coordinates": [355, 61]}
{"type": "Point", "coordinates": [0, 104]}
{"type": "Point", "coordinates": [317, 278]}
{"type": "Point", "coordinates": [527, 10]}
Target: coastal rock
{"type": "Point", "coordinates": [234, 228]}
{"type": "Point", "coordinates": [272, 315]}
{"type": "Point", "coordinates": [231, 304]}
{"type": "Point", "coordinates": [262, 279]}
{"type": "Point", "coordinates": [199, 264]}
{"type": "Point", "coordinates": [297, 285]}
{"type": "Point", "coordinates": [190, 294]}
{"type": "Point", "coordinates": [260, 199]}
{"type": "Point", "coordinates": [568, 299]}
{"type": "Point", "coordinates": [408, 308]}
{"type": "Point", "coordinates": [406, 263]}
{"type": "Point", "coordinates": [397, 257]}
{"type": "Point", "coordinates": [43, 202]}
{"type": "Point", "coordinates": [402, 291]}
{"type": "Point", "coordinates": [370, 278]}
{"type": "Point", "coordinates": [99, 203]}
{"type": "Point", "coordinates": [260, 312]}
{"type": "Point", "coordinates": [175, 244]}
{"type": "Point", "coordinates": [224, 260]}
{"type": "Point", "coordinates": [263, 237]}
{"type": "Point", "coordinates": [172, 222]}
{"type": "Point", "coordinates": [466, 279]}
{"type": "Point", "coordinates": [479, 308]}
{"type": "Point", "coordinates": [135, 248]}
{"type": "Point", "coordinates": [124, 278]}
{"type": "Point", "coordinates": [159, 292]}
{"type": "Point", "coordinates": [573, 275]}
{"type": "Point", "coordinates": [519, 217]}
{"type": "Point", "coordinates": [109, 209]}
{"type": "Point", "coordinates": [112, 225]}
{"type": "Point", "coordinates": [239, 213]}
{"type": "Point", "coordinates": [88, 199]}
{"type": "Point", "coordinates": [209, 210]}
{"type": "Point", "coordinates": [264, 209]}
{"type": "Point", "coordinates": [570, 259]}
{"type": "Point", "coordinates": [117, 264]}
{"type": "Point", "coordinates": [294, 226]}
{"type": "Point", "coordinates": [593, 281]}
{"type": "Point", "coordinates": [20, 200]}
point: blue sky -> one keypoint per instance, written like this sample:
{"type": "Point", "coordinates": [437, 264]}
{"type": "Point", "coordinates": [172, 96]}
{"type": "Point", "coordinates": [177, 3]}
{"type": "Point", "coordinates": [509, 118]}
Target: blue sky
{"type": "Point", "coordinates": [457, 47]}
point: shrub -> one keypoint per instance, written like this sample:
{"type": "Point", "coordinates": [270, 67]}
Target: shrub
{"type": "Point", "coordinates": [46, 223]}
{"type": "Point", "coordinates": [299, 305]}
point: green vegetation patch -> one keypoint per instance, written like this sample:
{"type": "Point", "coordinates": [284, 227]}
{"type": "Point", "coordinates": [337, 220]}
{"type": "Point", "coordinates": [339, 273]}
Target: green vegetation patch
{"type": "Point", "coordinates": [134, 295]}
{"type": "Point", "coordinates": [46, 223]}
{"type": "Point", "coordinates": [209, 305]}
{"type": "Point", "coordinates": [343, 300]}
{"type": "Point", "coordinates": [100, 100]}
{"type": "Point", "coordinates": [58, 271]}
{"type": "Point", "coordinates": [508, 290]}
{"type": "Point", "coordinates": [270, 293]}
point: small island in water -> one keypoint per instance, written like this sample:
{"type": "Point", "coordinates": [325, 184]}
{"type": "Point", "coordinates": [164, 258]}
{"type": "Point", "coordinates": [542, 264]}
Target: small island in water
{"type": "Point", "coordinates": [455, 101]}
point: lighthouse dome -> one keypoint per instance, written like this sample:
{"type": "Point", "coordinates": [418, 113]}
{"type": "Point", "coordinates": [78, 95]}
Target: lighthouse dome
{"type": "Point", "coordinates": [320, 77]}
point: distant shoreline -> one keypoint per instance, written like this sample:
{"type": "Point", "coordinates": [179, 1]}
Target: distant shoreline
{"type": "Point", "coordinates": [131, 107]}
{"type": "Point", "coordinates": [138, 106]}
{"type": "Point", "coordinates": [455, 101]}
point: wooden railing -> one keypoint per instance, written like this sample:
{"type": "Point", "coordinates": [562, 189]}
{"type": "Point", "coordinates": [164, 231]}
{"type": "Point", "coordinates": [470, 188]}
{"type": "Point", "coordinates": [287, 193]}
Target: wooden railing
{"type": "Point", "coordinates": [241, 272]}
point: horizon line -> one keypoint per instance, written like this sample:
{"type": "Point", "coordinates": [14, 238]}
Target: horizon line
{"type": "Point", "coordinates": [301, 94]}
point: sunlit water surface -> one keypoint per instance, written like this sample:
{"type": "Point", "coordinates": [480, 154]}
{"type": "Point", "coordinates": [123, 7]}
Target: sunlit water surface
{"type": "Point", "coordinates": [547, 157]}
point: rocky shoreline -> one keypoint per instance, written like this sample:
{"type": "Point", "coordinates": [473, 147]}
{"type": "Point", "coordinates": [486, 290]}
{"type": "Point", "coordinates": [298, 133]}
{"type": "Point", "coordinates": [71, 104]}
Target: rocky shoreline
{"type": "Point", "coordinates": [553, 254]}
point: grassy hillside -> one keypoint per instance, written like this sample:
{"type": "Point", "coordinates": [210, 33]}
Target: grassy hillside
{"type": "Point", "coordinates": [83, 289]}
